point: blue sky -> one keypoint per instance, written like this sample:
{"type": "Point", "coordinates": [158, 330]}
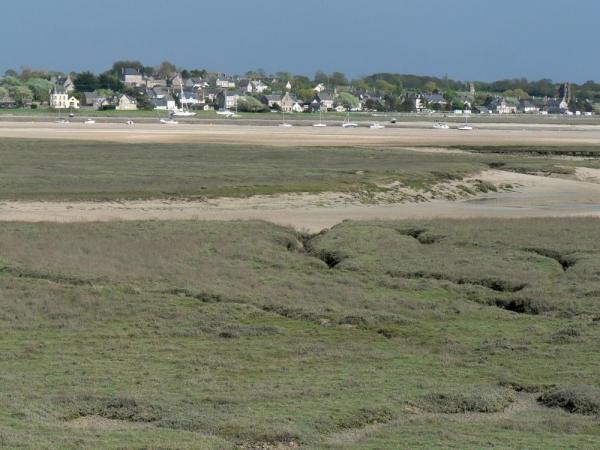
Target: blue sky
{"type": "Point", "coordinates": [465, 39]}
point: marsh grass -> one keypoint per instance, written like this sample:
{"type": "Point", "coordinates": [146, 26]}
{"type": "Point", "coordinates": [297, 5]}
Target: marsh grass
{"type": "Point", "coordinates": [237, 334]}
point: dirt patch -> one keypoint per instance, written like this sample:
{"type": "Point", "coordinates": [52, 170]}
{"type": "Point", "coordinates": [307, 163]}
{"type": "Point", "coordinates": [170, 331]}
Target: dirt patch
{"type": "Point", "coordinates": [587, 174]}
{"type": "Point", "coordinates": [102, 423]}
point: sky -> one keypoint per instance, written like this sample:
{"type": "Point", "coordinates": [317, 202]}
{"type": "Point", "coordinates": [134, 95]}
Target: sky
{"type": "Point", "coordinates": [481, 40]}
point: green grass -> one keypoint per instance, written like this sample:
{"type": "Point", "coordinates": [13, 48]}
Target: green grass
{"type": "Point", "coordinates": [71, 170]}
{"type": "Point", "coordinates": [242, 334]}
{"type": "Point", "coordinates": [49, 170]}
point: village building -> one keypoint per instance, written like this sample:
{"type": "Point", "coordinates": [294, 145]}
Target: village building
{"type": "Point", "coordinates": [88, 99]}
{"type": "Point", "coordinates": [60, 99]}
{"type": "Point", "coordinates": [163, 103]}
{"type": "Point", "coordinates": [132, 77]}
{"type": "Point", "coordinates": [8, 102]}
{"type": "Point", "coordinates": [326, 100]}
{"type": "Point", "coordinates": [126, 103]}
{"type": "Point", "coordinates": [528, 107]}
{"type": "Point", "coordinates": [228, 99]}
{"type": "Point", "coordinates": [272, 100]}
{"type": "Point", "coordinates": [500, 105]}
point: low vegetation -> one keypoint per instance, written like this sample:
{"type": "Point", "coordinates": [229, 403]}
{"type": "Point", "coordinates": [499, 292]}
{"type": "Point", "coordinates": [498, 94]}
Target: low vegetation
{"type": "Point", "coordinates": [574, 399]}
{"type": "Point", "coordinates": [247, 335]}
{"type": "Point", "coordinates": [484, 399]}
{"type": "Point", "coordinates": [71, 170]}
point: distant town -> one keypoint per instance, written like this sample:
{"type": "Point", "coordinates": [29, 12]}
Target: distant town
{"type": "Point", "coordinates": [129, 85]}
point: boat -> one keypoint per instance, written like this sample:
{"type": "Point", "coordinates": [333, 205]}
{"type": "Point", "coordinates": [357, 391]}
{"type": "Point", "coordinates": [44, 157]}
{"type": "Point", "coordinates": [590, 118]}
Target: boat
{"type": "Point", "coordinates": [63, 121]}
{"type": "Point", "coordinates": [226, 113]}
{"type": "Point", "coordinates": [465, 126]}
{"type": "Point", "coordinates": [440, 125]}
{"type": "Point", "coordinates": [169, 121]}
{"type": "Point", "coordinates": [89, 121]}
{"type": "Point", "coordinates": [376, 126]}
{"type": "Point", "coordinates": [283, 123]}
{"type": "Point", "coordinates": [182, 112]}
{"type": "Point", "coordinates": [348, 124]}
{"type": "Point", "coordinates": [320, 124]}
{"type": "Point", "coordinates": [129, 122]}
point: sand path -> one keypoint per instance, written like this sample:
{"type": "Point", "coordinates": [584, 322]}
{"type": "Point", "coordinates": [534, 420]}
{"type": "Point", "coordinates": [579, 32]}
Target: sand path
{"type": "Point", "coordinates": [483, 134]}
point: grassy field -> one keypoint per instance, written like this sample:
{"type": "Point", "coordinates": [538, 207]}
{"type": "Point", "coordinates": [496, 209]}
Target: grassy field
{"type": "Point", "coordinates": [71, 170]}
{"type": "Point", "coordinates": [455, 334]}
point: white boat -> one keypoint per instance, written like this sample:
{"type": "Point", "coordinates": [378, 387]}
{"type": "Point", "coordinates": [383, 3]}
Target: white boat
{"type": "Point", "coordinates": [182, 112]}
{"type": "Point", "coordinates": [129, 122]}
{"type": "Point", "coordinates": [348, 124]}
{"type": "Point", "coordinates": [376, 126]}
{"type": "Point", "coordinates": [227, 113]}
{"type": "Point", "coordinates": [63, 121]}
{"type": "Point", "coordinates": [169, 121]}
{"type": "Point", "coordinates": [283, 123]}
{"type": "Point", "coordinates": [320, 124]}
{"type": "Point", "coordinates": [89, 121]}
{"type": "Point", "coordinates": [440, 126]}
{"type": "Point", "coordinates": [465, 126]}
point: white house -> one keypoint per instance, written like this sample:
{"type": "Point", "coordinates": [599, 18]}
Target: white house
{"type": "Point", "coordinates": [225, 83]}
{"type": "Point", "coordinates": [164, 103]}
{"type": "Point", "coordinates": [501, 106]}
{"type": "Point", "coordinates": [126, 103]}
{"type": "Point", "coordinates": [59, 99]}
{"type": "Point", "coordinates": [528, 107]}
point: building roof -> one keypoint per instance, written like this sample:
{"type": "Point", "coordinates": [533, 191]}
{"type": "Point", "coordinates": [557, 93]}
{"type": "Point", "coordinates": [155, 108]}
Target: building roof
{"type": "Point", "coordinates": [435, 98]}
{"type": "Point", "coordinates": [130, 71]}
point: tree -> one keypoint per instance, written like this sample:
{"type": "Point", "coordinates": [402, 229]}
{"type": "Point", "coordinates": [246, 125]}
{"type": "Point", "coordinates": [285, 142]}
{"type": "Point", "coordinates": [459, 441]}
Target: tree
{"type": "Point", "coordinates": [432, 87]}
{"type": "Point", "coordinates": [118, 66]}
{"type": "Point", "coordinates": [338, 79]}
{"type": "Point", "coordinates": [250, 104]}
{"type": "Point", "coordinates": [109, 80]}
{"type": "Point", "coordinates": [10, 81]}
{"type": "Point", "coordinates": [198, 73]}
{"type": "Point", "coordinates": [517, 93]}
{"type": "Point", "coordinates": [391, 103]}
{"type": "Point", "coordinates": [11, 73]}
{"type": "Point", "coordinates": [86, 82]}
{"type": "Point", "coordinates": [371, 104]}
{"type": "Point", "coordinates": [360, 85]}
{"type": "Point", "coordinates": [347, 100]}
{"type": "Point", "coordinates": [385, 87]}
{"type": "Point", "coordinates": [450, 95]}
{"type": "Point", "coordinates": [21, 94]}
{"type": "Point", "coordinates": [3, 92]}
{"type": "Point", "coordinates": [166, 69]}
{"type": "Point", "coordinates": [321, 77]}
{"type": "Point", "coordinates": [302, 82]}
{"type": "Point", "coordinates": [104, 93]}
{"type": "Point", "coordinates": [40, 88]}
{"type": "Point", "coordinates": [305, 94]}
{"type": "Point", "coordinates": [148, 71]}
